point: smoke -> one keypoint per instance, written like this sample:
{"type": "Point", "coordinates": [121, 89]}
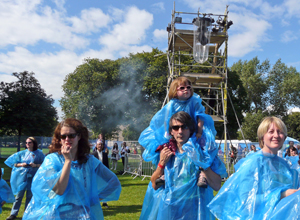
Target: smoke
{"type": "Point", "coordinates": [123, 104]}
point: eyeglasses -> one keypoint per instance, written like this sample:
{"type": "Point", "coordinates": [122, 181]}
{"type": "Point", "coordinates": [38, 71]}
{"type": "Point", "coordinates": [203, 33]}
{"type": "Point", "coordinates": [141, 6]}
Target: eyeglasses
{"type": "Point", "coordinates": [183, 88]}
{"type": "Point", "coordinates": [28, 142]}
{"type": "Point", "coordinates": [176, 127]}
{"type": "Point", "coordinates": [71, 136]}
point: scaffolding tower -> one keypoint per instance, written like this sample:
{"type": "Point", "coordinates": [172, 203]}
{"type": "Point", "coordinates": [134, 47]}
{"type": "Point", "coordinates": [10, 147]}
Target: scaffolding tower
{"type": "Point", "coordinates": [210, 75]}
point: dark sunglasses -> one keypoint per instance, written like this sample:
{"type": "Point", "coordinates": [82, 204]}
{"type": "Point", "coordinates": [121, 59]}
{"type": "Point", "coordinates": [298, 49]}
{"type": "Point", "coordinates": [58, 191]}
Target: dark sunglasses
{"type": "Point", "coordinates": [183, 88]}
{"type": "Point", "coordinates": [176, 127]}
{"type": "Point", "coordinates": [28, 142]}
{"type": "Point", "coordinates": [71, 136]}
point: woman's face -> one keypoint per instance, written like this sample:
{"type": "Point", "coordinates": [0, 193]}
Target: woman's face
{"type": "Point", "coordinates": [293, 153]}
{"type": "Point", "coordinates": [29, 144]}
{"type": "Point", "coordinates": [183, 92]}
{"type": "Point", "coordinates": [273, 139]}
{"type": "Point", "coordinates": [69, 142]}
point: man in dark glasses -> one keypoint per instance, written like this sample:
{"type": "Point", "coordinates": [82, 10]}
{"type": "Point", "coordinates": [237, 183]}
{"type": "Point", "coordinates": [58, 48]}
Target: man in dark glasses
{"type": "Point", "coordinates": [180, 197]}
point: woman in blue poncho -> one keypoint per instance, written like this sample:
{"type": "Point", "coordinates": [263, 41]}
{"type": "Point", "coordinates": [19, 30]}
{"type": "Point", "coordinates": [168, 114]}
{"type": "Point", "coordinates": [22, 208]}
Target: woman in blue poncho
{"type": "Point", "coordinates": [6, 194]}
{"type": "Point", "coordinates": [261, 180]}
{"type": "Point", "coordinates": [180, 197]}
{"type": "Point", "coordinates": [181, 98]}
{"type": "Point", "coordinates": [71, 183]}
{"type": "Point", "coordinates": [292, 158]}
{"type": "Point", "coordinates": [25, 164]}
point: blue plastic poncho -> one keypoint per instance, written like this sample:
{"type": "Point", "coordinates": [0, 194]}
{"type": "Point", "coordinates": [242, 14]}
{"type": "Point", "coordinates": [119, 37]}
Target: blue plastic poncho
{"type": "Point", "coordinates": [181, 198]}
{"type": "Point", "coordinates": [21, 176]}
{"type": "Point", "coordinates": [287, 208]}
{"type": "Point", "coordinates": [292, 161]}
{"type": "Point", "coordinates": [88, 182]}
{"type": "Point", "coordinates": [251, 152]}
{"type": "Point", "coordinates": [5, 192]}
{"type": "Point", "coordinates": [255, 188]}
{"type": "Point", "coordinates": [158, 131]}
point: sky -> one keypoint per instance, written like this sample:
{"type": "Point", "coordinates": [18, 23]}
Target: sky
{"type": "Point", "coordinates": [51, 38]}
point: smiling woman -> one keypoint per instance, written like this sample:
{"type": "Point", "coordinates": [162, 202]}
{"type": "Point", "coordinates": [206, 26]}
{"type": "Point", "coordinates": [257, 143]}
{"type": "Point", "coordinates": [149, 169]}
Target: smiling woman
{"type": "Point", "coordinates": [70, 183]}
{"type": "Point", "coordinates": [261, 180]}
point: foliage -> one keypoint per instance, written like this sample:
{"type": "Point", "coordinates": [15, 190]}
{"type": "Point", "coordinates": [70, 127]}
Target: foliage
{"type": "Point", "coordinates": [284, 88]}
{"type": "Point", "coordinates": [238, 96]}
{"type": "Point", "coordinates": [250, 124]}
{"type": "Point", "coordinates": [25, 108]}
{"type": "Point", "coordinates": [292, 122]}
{"type": "Point", "coordinates": [252, 76]}
{"type": "Point", "coordinates": [105, 94]}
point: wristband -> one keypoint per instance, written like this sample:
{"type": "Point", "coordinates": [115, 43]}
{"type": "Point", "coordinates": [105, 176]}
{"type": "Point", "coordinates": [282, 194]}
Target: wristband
{"type": "Point", "coordinates": [161, 166]}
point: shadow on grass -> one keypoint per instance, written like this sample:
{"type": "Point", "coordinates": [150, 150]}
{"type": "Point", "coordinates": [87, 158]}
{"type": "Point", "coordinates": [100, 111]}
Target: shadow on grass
{"type": "Point", "coordinates": [111, 211]}
{"type": "Point", "coordinates": [140, 184]}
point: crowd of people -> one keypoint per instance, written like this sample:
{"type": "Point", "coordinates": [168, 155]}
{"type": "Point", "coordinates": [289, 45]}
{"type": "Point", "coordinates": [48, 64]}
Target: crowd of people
{"type": "Point", "coordinates": [71, 181]}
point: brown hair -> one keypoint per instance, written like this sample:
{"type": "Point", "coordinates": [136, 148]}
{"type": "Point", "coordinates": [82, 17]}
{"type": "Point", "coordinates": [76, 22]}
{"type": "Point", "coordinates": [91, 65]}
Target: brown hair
{"type": "Point", "coordinates": [184, 118]}
{"type": "Point", "coordinates": [182, 80]}
{"type": "Point", "coordinates": [35, 144]}
{"type": "Point", "coordinates": [83, 143]}
{"type": "Point", "coordinates": [115, 146]}
{"type": "Point", "coordinates": [264, 127]}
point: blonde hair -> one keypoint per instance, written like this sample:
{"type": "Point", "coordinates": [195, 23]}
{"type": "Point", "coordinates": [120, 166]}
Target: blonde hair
{"type": "Point", "coordinates": [265, 125]}
{"type": "Point", "coordinates": [182, 80]}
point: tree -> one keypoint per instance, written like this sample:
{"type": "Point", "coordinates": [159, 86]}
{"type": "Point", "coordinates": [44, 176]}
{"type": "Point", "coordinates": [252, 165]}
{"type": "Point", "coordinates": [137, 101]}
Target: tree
{"type": "Point", "coordinates": [284, 88]}
{"type": "Point", "coordinates": [105, 93]}
{"type": "Point", "coordinates": [238, 96]}
{"type": "Point", "coordinates": [25, 108]}
{"type": "Point", "coordinates": [250, 124]}
{"type": "Point", "coordinates": [292, 122]}
{"type": "Point", "coordinates": [252, 75]}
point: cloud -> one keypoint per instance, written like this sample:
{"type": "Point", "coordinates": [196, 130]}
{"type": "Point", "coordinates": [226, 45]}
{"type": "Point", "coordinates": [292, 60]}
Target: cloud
{"type": "Point", "coordinates": [50, 69]}
{"type": "Point", "coordinates": [27, 23]}
{"type": "Point", "coordinates": [248, 36]}
{"type": "Point", "coordinates": [292, 7]}
{"type": "Point", "coordinates": [288, 36]}
{"type": "Point", "coordinates": [126, 35]}
{"type": "Point", "coordinates": [159, 6]}
{"type": "Point", "coordinates": [91, 20]}
{"type": "Point", "coordinates": [160, 35]}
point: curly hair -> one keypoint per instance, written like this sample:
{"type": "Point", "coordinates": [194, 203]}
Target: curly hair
{"type": "Point", "coordinates": [35, 144]}
{"type": "Point", "coordinates": [182, 80]}
{"type": "Point", "coordinates": [83, 143]}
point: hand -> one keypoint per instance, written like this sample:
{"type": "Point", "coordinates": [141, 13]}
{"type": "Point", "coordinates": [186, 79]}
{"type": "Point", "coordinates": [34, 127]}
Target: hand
{"type": "Point", "coordinates": [32, 165]}
{"type": "Point", "coordinates": [288, 193]}
{"type": "Point", "coordinates": [165, 156]}
{"type": "Point", "coordinates": [66, 152]}
{"type": "Point", "coordinates": [23, 164]}
{"type": "Point", "coordinates": [198, 135]}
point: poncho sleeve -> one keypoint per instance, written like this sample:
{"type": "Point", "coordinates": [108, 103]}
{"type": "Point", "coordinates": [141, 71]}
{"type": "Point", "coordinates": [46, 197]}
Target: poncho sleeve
{"type": "Point", "coordinates": [107, 183]}
{"type": "Point", "coordinates": [18, 179]}
{"type": "Point", "coordinates": [199, 154]}
{"type": "Point", "coordinates": [287, 208]}
{"type": "Point", "coordinates": [254, 189]}
{"type": "Point", "coordinates": [6, 192]}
